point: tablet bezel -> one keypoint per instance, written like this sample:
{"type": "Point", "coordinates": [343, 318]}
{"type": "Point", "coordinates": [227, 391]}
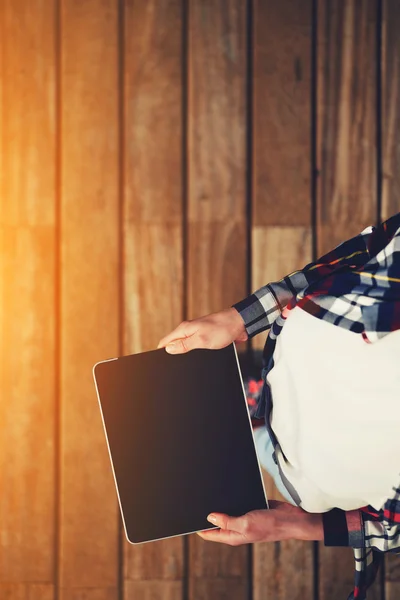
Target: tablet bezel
{"type": "Point", "coordinates": [112, 464]}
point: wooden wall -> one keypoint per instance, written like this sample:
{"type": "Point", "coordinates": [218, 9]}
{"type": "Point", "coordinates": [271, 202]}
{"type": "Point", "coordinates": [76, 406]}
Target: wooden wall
{"type": "Point", "coordinates": [160, 160]}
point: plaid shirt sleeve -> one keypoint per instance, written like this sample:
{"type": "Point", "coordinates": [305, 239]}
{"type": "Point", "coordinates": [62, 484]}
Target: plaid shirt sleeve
{"type": "Point", "coordinates": [370, 532]}
{"type": "Point", "coordinates": [260, 309]}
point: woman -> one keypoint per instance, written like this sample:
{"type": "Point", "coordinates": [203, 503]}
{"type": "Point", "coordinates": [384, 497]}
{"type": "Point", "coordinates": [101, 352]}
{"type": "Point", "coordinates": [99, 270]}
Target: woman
{"type": "Point", "coordinates": [330, 400]}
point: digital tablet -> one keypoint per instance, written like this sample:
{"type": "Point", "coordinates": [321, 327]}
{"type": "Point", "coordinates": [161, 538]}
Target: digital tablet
{"type": "Point", "coordinates": [180, 440]}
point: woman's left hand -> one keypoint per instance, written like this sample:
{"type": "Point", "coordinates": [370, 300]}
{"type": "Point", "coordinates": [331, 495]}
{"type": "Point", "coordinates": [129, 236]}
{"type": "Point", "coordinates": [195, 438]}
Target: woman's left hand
{"type": "Point", "coordinates": [282, 521]}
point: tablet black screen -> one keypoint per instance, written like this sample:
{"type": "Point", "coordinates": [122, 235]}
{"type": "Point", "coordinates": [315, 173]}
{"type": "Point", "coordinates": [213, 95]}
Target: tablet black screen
{"type": "Point", "coordinates": [180, 440]}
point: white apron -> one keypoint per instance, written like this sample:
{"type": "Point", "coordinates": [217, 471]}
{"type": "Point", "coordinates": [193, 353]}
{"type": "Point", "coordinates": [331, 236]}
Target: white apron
{"type": "Point", "coordinates": [336, 413]}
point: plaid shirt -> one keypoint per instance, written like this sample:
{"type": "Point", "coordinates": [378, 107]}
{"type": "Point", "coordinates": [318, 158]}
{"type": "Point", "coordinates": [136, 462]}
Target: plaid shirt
{"type": "Point", "coordinates": [356, 286]}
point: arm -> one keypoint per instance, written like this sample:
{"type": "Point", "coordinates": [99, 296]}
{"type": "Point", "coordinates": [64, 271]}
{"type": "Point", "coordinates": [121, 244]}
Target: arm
{"type": "Point", "coordinates": [365, 527]}
{"type": "Point", "coordinates": [370, 533]}
{"type": "Point", "coordinates": [261, 308]}
{"type": "Point", "coordinates": [283, 521]}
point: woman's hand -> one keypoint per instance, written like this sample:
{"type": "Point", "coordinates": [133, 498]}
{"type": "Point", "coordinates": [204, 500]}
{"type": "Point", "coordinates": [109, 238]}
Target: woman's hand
{"type": "Point", "coordinates": [282, 521]}
{"type": "Point", "coordinates": [213, 331]}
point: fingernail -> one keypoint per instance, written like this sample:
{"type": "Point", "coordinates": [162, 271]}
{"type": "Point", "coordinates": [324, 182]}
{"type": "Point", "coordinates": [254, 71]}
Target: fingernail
{"type": "Point", "coordinates": [171, 347]}
{"type": "Point", "coordinates": [212, 518]}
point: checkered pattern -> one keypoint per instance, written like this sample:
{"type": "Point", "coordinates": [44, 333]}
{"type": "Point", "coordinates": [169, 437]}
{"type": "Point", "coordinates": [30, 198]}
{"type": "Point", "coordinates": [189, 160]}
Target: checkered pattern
{"type": "Point", "coordinates": [355, 286]}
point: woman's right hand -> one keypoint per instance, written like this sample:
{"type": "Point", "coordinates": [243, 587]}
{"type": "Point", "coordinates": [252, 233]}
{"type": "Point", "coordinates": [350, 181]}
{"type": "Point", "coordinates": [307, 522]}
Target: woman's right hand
{"type": "Point", "coordinates": [213, 331]}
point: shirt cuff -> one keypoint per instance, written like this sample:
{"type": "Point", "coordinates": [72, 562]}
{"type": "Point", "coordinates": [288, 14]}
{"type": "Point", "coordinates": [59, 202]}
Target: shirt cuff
{"type": "Point", "coordinates": [258, 311]}
{"type": "Point", "coordinates": [251, 312]}
{"type": "Point", "coordinates": [343, 528]}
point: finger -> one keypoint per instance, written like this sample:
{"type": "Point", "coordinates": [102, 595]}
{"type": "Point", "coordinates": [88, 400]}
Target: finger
{"type": "Point", "coordinates": [178, 338]}
{"type": "Point", "coordinates": [173, 335]}
{"type": "Point", "coordinates": [237, 524]}
{"type": "Point", "coordinates": [233, 538]}
{"type": "Point", "coordinates": [178, 346]}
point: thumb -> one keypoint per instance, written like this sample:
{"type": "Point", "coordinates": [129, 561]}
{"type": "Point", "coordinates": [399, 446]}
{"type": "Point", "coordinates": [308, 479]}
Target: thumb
{"type": "Point", "coordinates": [178, 346]}
{"type": "Point", "coordinates": [226, 522]}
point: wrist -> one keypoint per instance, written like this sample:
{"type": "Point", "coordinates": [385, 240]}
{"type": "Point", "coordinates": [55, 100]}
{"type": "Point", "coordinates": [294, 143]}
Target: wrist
{"type": "Point", "coordinates": [310, 527]}
{"type": "Point", "coordinates": [238, 321]}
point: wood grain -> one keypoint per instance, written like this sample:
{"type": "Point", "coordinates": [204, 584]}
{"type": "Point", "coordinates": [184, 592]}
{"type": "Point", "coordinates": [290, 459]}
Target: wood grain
{"type": "Point", "coordinates": [346, 115]}
{"type": "Point", "coordinates": [392, 576]}
{"type": "Point", "coordinates": [27, 591]}
{"type": "Point", "coordinates": [86, 593]}
{"type": "Point", "coordinates": [27, 300]}
{"type": "Point", "coordinates": [218, 588]}
{"type": "Point", "coordinates": [392, 591]}
{"type": "Point", "coordinates": [283, 570]}
{"type": "Point", "coordinates": [282, 112]}
{"type": "Point", "coordinates": [346, 157]}
{"type": "Point", "coordinates": [89, 295]}
{"type": "Point", "coordinates": [216, 220]}
{"type": "Point", "coordinates": [217, 124]}
{"type": "Point", "coordinates": [390, 99]}
{"type": "Point", "coordinates": [149, 590]}
{"type": "Point", "coordinates": [152, 230]}
{"type": "Point", "coordinates": [281, 232]}
{"type": "Point", "coordinates": [278, 251]}
{"type": "Point", "coordinates": [142, 257]}
{"type": "Point", "coordinates": [390, 105]}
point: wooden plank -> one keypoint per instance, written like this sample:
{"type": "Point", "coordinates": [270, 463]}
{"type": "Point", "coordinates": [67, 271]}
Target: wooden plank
{"type": "Point", "coordinates": [216, 220]}
{"type": "Point", "coordinates": [89, 295]}
{"type": "Point", "coordinates": [282, 114]}
{"type": "Point", "coordinates": [282, 219]}
{"type": "Point", "coordinates": [149, 590]}
{"type": "Point", "coordinates": [346, 161]}
{"type": "Point", "coordinates": [86, 593]}
{"type": "Point", "coordinates": [26, 591]}
{"type": "Point", "coordinates": [390, 108]}
{"type": "Point", "coordinates": [281, 569]}
{"type": "Point", "coordinates": [274, 578]}
{"type": "Point", "coordinates": [152, 230]}
{"type": "Point", "coordinates": [287, 249]}
{"type": "Point", "coordinates": [392, 576]}
{"type": "Point", "coordinates": [222, 587]}
{"type": "Point", "coordinates": [390, 104]}
{"type": "Point", "coordinates": [217, 36]}
{"type": "Point", "coordinates": [392, 590]}
{"type": "Point", "coordinates": [27, 306]}
{"type": "Point", "coordinates": [346, 113]}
